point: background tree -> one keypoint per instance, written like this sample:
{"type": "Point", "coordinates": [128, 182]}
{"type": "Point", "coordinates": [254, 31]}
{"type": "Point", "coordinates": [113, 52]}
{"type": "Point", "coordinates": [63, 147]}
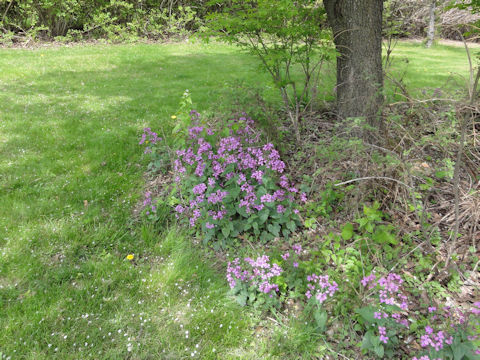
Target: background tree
{"type": "Point", "coordinates": [431, 23]}
{"type": "Point", "coordinates": [357, 31]}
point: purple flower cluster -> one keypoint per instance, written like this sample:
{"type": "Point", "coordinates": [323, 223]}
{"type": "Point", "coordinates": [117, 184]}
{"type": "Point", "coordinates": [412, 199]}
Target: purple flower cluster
{"type": "Point", "coordinates": [258, 273]}
{"type": "Point", "coordinates": [389, 289]}
{"type": "Point", "coordinates": [147, 203]}
{"type": "Point", "coordinates": [212, 168]}
{"type": "Point", "coordinates": [435, 340]}
{"type": "Point", "coordinates": [448, 323]}
{"type": "Point", "coordinates": [383, 334]}
{"type": "Point", "coordinates": [149, 138]}
{"type": "Point", "coordinates": [425, 357]}
{"type": "Point", "coordinates": [320, 287]}
{"type": "Point", "coordinates": [476, 308]}
{"type": "Point", "coordinates": [297, 251]}
{"type": "Point", "coordinates": [445, 328]}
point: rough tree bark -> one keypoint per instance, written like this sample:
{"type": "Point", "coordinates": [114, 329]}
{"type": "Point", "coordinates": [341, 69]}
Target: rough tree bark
{"type": "Point", "coordinates": [357, 30]}
{"type": "Point", "coordinates": [431, 24]}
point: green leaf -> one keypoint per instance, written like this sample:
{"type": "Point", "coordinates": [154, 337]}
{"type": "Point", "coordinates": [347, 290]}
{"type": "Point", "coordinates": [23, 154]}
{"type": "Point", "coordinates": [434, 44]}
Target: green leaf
{"type": "Point", "coordinates": [347, 231]}
{"type": "Point", "coordinates": [320, 318]}
{"type": "Point", "coordinates": [177, 128]}
{"type": "Point", "coordinates": [274, 229]}
{"type": "Point", "coordinates": [310, 223]}
{"type": "Point", "coordinates": [366, 342]}
{"type": "Point", "coordinates": [291, 226]}
{"type": "Point", "coordinates": [233, 192]}
{"type": "Point", "coordinates": [367, 314]}
{"type": "Point", "coordinates": [226, 230]}
{"type": "Point", "coordinates": [384, 237]}
{"type": "Point", "coordinates": [241, 299]}
{"type": "Point", "coordinates": [266, 237]}
{"type": "Point", "coordinates": [459, 351]}
{"type": "Point", "coordinates": [379, 351]}
{"type": "Point", "coordinates": [263, 215]}
{"type": "Point", "coordinates": [256, 230]}
{"type": "Point", "coordinates": [242, 212]}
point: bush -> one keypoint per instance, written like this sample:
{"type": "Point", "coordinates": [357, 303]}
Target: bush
{"type": "Point", "coordinates": [282, 34]}
{"type": "Point", "coordinates": [231, 184]}
{"type": "Point", "coordinates": [116, 20]}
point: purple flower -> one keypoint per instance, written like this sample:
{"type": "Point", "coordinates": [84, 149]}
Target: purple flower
{"type": "Point", "coordinates": [257, 273]}
{"type": "Point", "coordinates": [216, 197]}
{"type": "Point", "coordinates": [322, 287]}
{"type": "Point", "coordinates": [368, 279]}
{"type": "Point", "coordinates": [297, 248]}
{"type": "Point", "coordinates": [257, 175]}
{"type": "Point", "coordinates": [267, 198]}
{"type": "Point", "coordinates": [199, 189]}
{"type": "Point", "coordinates": [179, 209]}
{"type": "Point", "coordinates": [476, 308]}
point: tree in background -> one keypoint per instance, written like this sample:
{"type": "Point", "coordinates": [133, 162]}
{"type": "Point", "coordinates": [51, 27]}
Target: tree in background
{"type": "Point", "coordinates": [431, 23]}
{"type": "Point", "coordinates": [357, 32]}
{"type": "Point", "coordinates": [286, 36]}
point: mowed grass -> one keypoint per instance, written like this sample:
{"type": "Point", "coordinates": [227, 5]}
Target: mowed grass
{"type": "Point", "coordinates": [71, 173]}
{"type": "Point", "coordinates": [423, 70]}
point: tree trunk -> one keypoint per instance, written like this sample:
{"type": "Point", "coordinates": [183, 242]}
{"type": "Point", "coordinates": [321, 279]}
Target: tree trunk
{"type": "Point", "coordinates": [357, 31]}
{"type": "Point", "coordinates": [431, 24]}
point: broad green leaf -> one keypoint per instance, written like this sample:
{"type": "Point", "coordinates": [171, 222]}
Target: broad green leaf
{"type": "Point", "coordinates": [367, 314]}
{"type": "Point", "coordinates": [263, 215]}
{"type": "Point", "coordinates": [241, 299]}
{"type": "Point", "coordinates": [274, 229]}
{"type": "Point", "coordinates": [384, 237]}
{"type": "Point", "coordinates": [320, 318]}
{"type": "Point", "coordinates": [379, 351]}
{"type": "Point", "coordinates": [266, 237]}
{"type": "Point", "coordinates": [226, 231]}
{"type": "Point", "coordinates": [291, 226]}
{"type": "Point", "coordinates": [347, 231]}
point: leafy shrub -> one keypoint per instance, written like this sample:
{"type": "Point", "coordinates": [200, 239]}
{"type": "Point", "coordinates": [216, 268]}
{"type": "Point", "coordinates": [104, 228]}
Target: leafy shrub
{"type": "Point", "coordinates": [283, 34]}
{"type": "Point", "coordinates": [231, 184]}
{"type": "Point", "coordinates": [115, 20]}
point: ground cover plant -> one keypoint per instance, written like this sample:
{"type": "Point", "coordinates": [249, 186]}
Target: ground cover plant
{"type": "Point", "coordinates": [83, 277]}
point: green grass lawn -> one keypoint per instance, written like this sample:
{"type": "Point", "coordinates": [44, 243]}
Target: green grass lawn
{"type": "Point", "coordinates": [71, 173]}
{"type": "Point", "coordinates": [444, 67]}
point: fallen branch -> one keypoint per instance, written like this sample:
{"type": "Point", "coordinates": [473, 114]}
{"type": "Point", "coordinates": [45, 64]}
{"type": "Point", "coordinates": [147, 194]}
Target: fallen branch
{"type": "Point", "coordinates": [374, 178]}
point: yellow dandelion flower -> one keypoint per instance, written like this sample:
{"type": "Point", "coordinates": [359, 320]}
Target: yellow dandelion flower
{"type": "Point", "coordinates": [173, 117]}
{"type": "Point", "coordinates": [130, 257]}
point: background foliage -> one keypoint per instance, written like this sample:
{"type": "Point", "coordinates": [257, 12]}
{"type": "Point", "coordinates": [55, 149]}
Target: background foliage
{"type": "Point", "coordinates": [114, 19]}
{"type": "Point", "coordinates": [120, 20]}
